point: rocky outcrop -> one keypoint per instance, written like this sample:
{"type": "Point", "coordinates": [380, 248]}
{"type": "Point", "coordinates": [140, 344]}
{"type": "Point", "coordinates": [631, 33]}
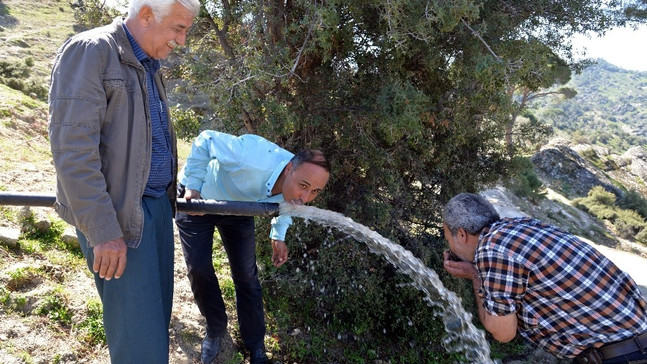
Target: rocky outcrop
{"type": "Point", "coordinates": [637, 159]}
{"type": "Point", "coordinates": [562, 168]}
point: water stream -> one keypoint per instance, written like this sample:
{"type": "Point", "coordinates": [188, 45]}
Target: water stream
{"type": "Point", "coordinates": [462, 336]}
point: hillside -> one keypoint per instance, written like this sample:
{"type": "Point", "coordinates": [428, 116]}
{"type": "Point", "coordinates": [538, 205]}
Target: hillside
{"type": "Point", "coordinates": [48, 304]}
{"type": "Point", "coordinates": [27, 48]}
{"type": "Point", "coordinates": [610, 108]}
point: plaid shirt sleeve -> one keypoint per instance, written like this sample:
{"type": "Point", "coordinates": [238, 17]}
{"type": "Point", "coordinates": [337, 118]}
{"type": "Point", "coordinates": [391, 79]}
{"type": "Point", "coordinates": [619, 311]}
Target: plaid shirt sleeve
{"type": "Point", "coordinates": [503, 282]}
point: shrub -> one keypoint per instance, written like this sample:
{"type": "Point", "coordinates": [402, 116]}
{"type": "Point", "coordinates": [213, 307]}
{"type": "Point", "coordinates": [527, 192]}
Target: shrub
{"type": "Point", "coordinates": [14, 69]}
{"type": "Point", "coordinates": [349, 295]}
{"type": "Point", "coordinates": [598, 195]}
{"type": "Point", "coordinates": [633, 200]}
{"type": "Point", "coordinates": [629, 223]}
{"type": "Point", "coordinates": [186, 122]}
{"type": "Point", "coordinates": [93, 13]}
{"type": "Point", "coordinates": [642, 236]}
{"type": "Point", "coordinates": [602, 211]}
{"type": "Point", "coordinates": [16, 75]}
{"type": "Point", "coordinates": [525, 182]}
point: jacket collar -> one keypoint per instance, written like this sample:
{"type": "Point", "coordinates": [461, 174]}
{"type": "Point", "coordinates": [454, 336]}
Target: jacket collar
{"type": "Point", "coordinates": [126, 54]}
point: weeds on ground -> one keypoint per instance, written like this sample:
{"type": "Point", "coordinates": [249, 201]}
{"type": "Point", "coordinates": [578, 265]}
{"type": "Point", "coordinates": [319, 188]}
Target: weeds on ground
{"type": "Point", "coordinates": [55, 307]}
{"type": "Point", "coordinates": [53, 259]}
{"type": "Point", "coordinates": [91, 329]}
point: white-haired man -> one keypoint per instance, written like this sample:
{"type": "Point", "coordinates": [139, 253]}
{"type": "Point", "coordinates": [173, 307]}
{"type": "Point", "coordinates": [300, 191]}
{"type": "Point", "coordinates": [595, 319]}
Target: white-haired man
{"type": "Point", "coordinates": [114, 151]}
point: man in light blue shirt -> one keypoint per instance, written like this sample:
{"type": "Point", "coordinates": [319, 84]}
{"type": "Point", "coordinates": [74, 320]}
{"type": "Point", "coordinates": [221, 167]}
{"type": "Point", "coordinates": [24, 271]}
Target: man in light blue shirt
{"type": "Point", "coordinates": [240, 168]}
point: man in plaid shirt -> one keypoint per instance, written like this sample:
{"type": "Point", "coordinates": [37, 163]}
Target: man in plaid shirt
{"type": "Point", "coordinates": [554, 289]}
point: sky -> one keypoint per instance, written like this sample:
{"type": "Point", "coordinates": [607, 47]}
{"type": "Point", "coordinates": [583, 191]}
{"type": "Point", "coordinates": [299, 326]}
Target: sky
{"type": "Point", "coordinates": [623, 47]}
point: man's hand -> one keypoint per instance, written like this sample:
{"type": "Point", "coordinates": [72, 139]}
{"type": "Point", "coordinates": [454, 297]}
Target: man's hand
{"type": "Point", "coordinates": [192, 194]}
{"type": "Point", "coordinates": [461, 269]}
{"type": "Point", "coordinates": [279, 253]}
{"type": "Point", "coordinates": [110, 259]}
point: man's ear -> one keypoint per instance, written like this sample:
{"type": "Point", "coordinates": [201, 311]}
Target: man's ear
{"type": "Point", "coordinates": [288, 167]}
{"type": "Point", "coordinates": [145, 15]}
{"type": "Point", "coordinates": [461, 236]}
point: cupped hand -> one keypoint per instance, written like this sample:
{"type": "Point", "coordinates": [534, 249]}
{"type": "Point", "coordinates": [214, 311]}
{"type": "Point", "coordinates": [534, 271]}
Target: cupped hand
{"type": "Point", "coordinates": [461, 269]}
{"type": "Point", "coordinates": [279, 253]}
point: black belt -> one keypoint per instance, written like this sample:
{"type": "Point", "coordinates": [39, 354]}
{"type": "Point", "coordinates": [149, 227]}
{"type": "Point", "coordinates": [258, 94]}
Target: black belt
{"type": "Point", "coordinates": [636, 343]}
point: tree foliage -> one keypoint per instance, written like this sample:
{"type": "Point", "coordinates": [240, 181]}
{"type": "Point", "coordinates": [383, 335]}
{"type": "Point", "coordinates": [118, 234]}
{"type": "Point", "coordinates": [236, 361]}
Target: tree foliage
{"type": "Point", "coordinates": [411, 99]}
{"type": "Point", "coordinates": [93, 13]}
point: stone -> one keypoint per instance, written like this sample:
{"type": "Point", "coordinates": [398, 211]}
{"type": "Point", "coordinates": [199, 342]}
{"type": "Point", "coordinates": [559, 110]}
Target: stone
{"type": "Point", "coordinates": [9, 236]}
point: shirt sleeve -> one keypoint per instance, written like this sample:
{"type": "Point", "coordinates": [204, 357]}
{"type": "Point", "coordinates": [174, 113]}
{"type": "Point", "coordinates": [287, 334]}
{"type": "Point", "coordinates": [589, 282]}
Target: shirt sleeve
{"type": "Point", "coordinates": [503, 282]}
{"type": "Point", "coordinates": [210, 144]}
{"type": "Point", "coordinates": [280, 226]}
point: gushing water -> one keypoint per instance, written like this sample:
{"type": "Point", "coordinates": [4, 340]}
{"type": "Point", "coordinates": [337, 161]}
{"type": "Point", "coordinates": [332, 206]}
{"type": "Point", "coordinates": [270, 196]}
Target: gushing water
{"type": "Point", "coordinates": [462, 336]}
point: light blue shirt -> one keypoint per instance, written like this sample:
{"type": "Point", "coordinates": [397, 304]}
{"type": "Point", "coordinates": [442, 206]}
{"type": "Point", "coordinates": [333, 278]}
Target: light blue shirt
{"type": "Point", "coordinates": [237, 168]}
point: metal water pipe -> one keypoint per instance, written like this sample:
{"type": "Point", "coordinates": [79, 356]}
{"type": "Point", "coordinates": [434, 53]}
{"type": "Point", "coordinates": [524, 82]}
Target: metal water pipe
{"type": "Point", "coordinates": [216, 207]}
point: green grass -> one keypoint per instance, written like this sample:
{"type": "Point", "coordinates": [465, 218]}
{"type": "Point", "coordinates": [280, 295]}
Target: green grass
{"type": "Point", "coordinates": [91, 328]}
{"type": "Point", "coordinates": [22, 277]}
{"type": "Point", "coordinates": [41, 28]}
{"type": "Point", "coordinates": [55, 307]}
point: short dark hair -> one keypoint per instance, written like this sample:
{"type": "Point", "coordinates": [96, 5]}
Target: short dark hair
{"type": "Point", "coordinates": [314, 156]}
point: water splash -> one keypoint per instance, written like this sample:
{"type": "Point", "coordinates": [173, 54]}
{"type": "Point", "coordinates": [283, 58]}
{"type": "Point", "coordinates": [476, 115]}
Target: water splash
{"type": "Point", "coordinates": [462, 336]}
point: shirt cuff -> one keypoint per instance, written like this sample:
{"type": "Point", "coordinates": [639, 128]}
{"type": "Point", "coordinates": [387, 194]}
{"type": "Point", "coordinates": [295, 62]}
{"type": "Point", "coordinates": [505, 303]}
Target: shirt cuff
{"type": "Point", "coordinates": [193, 184]}
{"type": "Point", "coordinates": [280, 226]}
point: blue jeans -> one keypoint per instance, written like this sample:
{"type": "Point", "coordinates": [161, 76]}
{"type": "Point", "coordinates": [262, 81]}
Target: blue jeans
{"type": "Point", "coordinates": [137, 306]}
{"type": "Point", "coordinates": [237, 234]}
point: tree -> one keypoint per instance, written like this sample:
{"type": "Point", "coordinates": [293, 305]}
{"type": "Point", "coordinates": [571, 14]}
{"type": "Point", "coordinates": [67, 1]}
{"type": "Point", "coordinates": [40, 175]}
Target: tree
{"type": "Point", "coordinates": [538, 69]}
{"type": "Point", "coordinates": [93, 13]}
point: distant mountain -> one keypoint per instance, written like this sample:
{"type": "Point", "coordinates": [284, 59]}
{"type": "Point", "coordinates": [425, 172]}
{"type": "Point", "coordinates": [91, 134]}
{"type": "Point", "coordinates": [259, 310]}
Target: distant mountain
{"type": "Point", "coordinates": [610, 108]}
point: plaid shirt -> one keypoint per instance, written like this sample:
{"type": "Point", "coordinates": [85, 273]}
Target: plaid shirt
{"type": "Point", "coordinates": [567, 296]}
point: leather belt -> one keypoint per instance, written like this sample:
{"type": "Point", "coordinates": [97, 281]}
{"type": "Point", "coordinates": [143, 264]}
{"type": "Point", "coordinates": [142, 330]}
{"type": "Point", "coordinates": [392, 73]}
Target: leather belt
{"type": "Point", "coordinates": [635, 343]}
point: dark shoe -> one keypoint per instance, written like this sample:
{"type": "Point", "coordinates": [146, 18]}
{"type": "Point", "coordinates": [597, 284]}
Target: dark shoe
{"type": "Point", "coordinates": [210, 349]}
{"type": "Point", "coordinates": [258, 356]}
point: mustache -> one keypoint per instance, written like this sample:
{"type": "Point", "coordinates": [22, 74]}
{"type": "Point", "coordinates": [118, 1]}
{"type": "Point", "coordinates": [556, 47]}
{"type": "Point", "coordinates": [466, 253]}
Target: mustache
{"type": "Point", "coordinates": [172, 44]}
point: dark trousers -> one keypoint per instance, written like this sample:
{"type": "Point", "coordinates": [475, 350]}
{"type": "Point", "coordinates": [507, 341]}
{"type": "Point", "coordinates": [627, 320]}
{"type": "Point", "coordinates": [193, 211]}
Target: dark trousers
{"type": "Point", "coordinates": [237, 234]}
{"type": "Point", "coordinates": [636, 357]}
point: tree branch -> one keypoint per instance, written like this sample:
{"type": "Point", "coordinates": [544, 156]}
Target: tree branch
{"type": "Point", "coordinates": [476, 34]}
{"type": "Point", "coordinates": [222, 34]}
